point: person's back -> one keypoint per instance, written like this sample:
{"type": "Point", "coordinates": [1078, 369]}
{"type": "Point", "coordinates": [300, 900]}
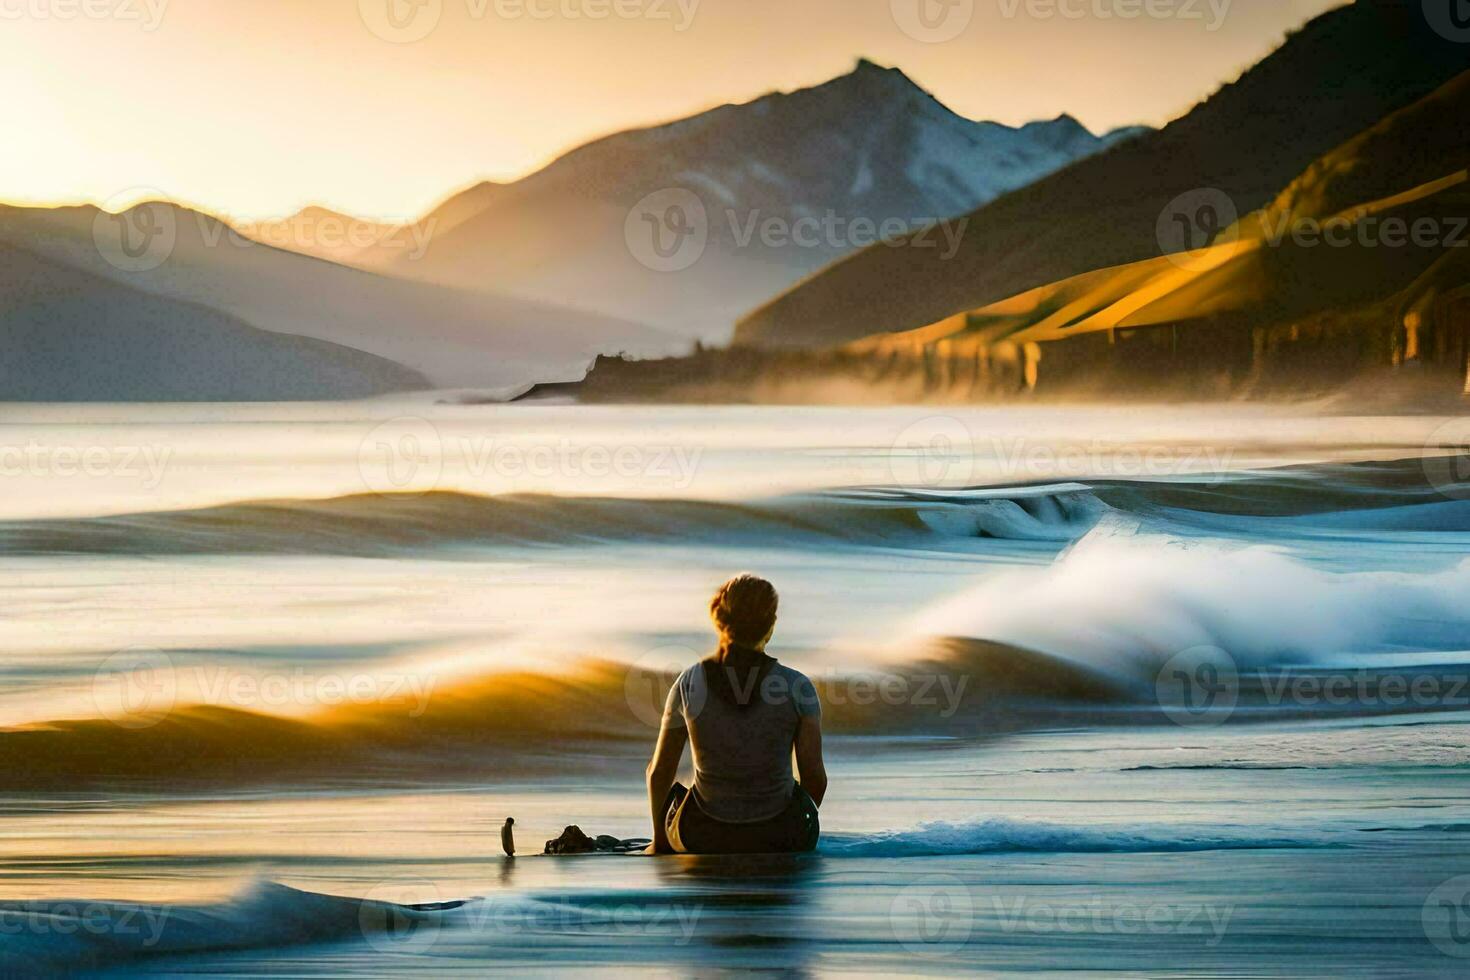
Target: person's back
{"type": "Point", "coordinates": [741, 731]}
{"type": "Point", "coordinates": [744, 714]}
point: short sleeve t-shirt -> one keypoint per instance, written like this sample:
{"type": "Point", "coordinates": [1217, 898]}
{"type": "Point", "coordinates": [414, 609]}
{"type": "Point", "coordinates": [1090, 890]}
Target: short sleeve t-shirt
{"type": "Point", "coordinates": [742, 755]}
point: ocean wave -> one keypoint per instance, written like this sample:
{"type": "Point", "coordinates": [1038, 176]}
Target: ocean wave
{"type": "Point", "coordinates": [1120, 606]}
{"type": "Point", "coordinates": [1003, 836]}
{"type": "Point", "coordinates": [47, 938]}
{"type": "Point", "coordinates": [1297, 491]}
{"type": "Point", "coordinates": [505, 722]}
{"type": "Point", "coordinates": [1444, 517]}
{"type": "Point", "coordinates": [1389, 496]}
{"type": "Point", "coordinates": [1085, 639]}
{"type": "Point", "coordinates": [508, 724]}
{"type": "Point", "coordinates": [56, 937]}
{"type": "Point", "coordinates": [599, 717]}
{"type": "Point", "coordinates": [374, 525]}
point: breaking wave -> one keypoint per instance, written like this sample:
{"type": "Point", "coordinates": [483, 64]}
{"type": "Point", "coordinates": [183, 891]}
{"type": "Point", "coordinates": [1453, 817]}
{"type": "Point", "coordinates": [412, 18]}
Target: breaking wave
{"type": "Point", "coordinates": [49, 937]}
{"type": "Point", "coordinates": [371, 525]}
{"type": "Point", "coordinates": [1138, 581]}
{"type": "Point", "coordinates": [1002, 836]}
{"type": "Point", "coordinates": [1085, 638]}
{"type": "Point", "coordinates": [1394, 496]}
{"type": "Point", "coordinates": [1117, 607]}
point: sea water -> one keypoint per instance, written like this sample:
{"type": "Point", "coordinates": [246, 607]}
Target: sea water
{"type": "Point", "coordinates": [1138, 690]}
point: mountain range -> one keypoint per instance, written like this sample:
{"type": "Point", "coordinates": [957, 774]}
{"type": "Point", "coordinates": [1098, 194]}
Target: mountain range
{"type": "Point", "coordinates": [72, 336]}
{"type": "Point", "coordinates": [869, 145]}
{"type": "Point", "coordinates": [1169, 267]}
{"type": "Point", "coordinates": [1066, 258]}
{"type": "Point", "coordinates": [1340, 74]}
{"type": "Point", "coordinates": [191, 263]}
{"type": "Point", "coordinates": [502, 284]}
{"type": "Point", "coordinates": [1359, 259]}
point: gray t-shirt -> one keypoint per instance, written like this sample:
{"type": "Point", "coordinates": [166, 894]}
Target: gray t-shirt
{"type": "Point", "coordinates": [742, 755]}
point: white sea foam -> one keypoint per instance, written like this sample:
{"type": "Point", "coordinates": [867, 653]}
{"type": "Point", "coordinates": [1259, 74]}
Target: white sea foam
{"type": "Point", "coordinates": [1003, 836]}
{"type": "Point", "coordinates": [1123, 603]}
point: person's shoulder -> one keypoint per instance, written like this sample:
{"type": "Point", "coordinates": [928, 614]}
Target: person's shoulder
{"type": "Point", "coordinates": [799, 689]}
{"type": "Point", "coordinates": [791, 674]}
{"type": "Point", "coordinates": [794, 680]}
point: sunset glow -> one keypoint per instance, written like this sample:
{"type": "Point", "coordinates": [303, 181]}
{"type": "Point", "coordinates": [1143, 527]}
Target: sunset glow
{"type": "Point", "coordinates": [676, 488]}
{"type": "Point", "coordinates": [296, 102]}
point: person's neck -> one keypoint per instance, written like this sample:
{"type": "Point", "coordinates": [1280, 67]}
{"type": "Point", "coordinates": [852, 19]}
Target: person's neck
{"type": "Point", "coordinates": [730, 650]}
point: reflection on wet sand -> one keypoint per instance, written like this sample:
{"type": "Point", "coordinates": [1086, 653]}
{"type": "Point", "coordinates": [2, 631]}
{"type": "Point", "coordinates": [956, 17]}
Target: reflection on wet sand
{"type": "Point", "coordinates": [748, 903]}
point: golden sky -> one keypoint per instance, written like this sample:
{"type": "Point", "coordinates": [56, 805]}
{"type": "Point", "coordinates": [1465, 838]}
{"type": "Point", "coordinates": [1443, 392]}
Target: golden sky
{"type": "Point", "coordinates": [254, 108]}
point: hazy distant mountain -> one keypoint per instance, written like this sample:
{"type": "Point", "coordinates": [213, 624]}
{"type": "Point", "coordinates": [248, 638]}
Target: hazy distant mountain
{"type": "Point", "coordinates": [1340, 74]}
{"type": "Point", "coordinates": [453, 337]}
{"type": "Point", "coordinates": [367, 243]}
{"type": "Point", "coordinates": [71, 336]}
{"type": "Point", "coordinates": [868, 145]}
{"type": "Point", "coordinates": [322, 233]}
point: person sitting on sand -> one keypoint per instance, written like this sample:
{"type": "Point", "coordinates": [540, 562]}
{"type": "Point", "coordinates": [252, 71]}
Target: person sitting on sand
{"type": "Point", "coordinates": [743, 714]}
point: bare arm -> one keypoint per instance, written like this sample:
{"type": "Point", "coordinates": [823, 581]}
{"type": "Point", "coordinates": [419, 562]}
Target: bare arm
{"type": "Point", "coordinates": [810, 768]}
{"type": "Point", "coordinates": [662, 771]}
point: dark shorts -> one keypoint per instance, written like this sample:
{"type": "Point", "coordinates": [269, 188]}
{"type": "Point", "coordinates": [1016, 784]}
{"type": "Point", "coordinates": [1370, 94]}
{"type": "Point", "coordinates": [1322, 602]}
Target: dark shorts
{"type": "Point", "coordinates": [692, 831]}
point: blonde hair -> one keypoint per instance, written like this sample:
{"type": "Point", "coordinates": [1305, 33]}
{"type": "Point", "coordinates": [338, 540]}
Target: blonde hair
{"type": "Point", "coordinates": [744, 610]}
